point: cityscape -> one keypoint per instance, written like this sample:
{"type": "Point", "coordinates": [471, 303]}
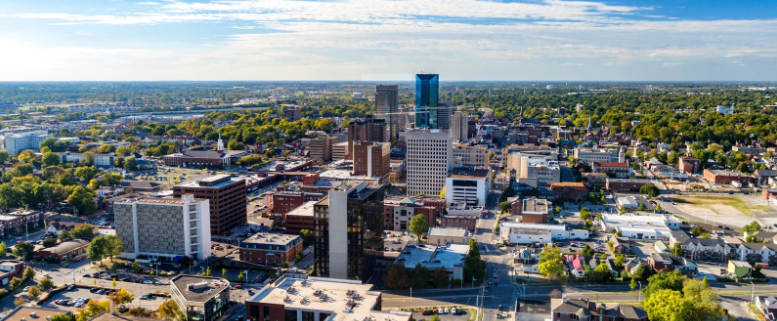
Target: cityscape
{"type": "Point", "coordinates": [388, 160]}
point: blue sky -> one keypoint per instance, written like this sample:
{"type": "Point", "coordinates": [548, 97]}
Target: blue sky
{"type": "Point", "coordinates": [628, 40]}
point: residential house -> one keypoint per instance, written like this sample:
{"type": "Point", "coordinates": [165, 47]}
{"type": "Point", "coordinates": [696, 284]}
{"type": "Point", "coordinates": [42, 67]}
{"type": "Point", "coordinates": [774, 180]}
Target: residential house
{"type": "Point", "coordinates": [660, 262]}
{"type": "Point", "coordinates": [738, 269]}
{"type": "Point", "coordinates": [620, 245]}
{"type": "Point", "coordinates": [576, 266]}
{"type": "Point", "coordinates": [573, 309]}
{"type": "Point", "coordinates": [699, 248]}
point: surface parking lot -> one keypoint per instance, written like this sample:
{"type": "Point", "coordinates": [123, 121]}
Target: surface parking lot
{"type": "Point", "coordinates": [150, 304]}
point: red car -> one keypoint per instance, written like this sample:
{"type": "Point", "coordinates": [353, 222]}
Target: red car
{"type": "Point", "coordinates": [238, 286]}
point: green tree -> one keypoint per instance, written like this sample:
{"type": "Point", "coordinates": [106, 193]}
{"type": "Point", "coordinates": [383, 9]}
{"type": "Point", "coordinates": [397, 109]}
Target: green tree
{"type": "Point", "coordinates": [3, 250]}
{"type": "Point", "coordinates": [667, 305]}
{"type": "Point", "coordinates": [50, 159]}
{"type": "Point", "coordinates": [419, 277]}
{"type": "Point", "coordinates": [4, 156]}
{"type": "Point", "coordinates": [419, 225]}
{"type": "Point", "coordinates": [307, 237]}
{"type": "Point", "coordinates": [588, 251]}
{"type": "Point", "coordinates": [114, 246]}
{"type": "Point", "coordinates": [505, 207]}
{"type": "Point", "coordinates": [87, 159]}
{"type": "Point", "coordinates": [207, 272]}
{"type": "Point", "coordinates": [28, 274]}
{"type": "Point", "coordinates": [585, 214]}
{"type": "Point", "coordinates": [15, 283]}
{"type": "Point", "coordinates": [136, 267]}
{"type": "Point", "coordinates": [641, 207]}
{"type": "Point", "coordinates": [119, 162]}
{"type": "Point", "coordinates": [224, 273]}
{"type": "Point", "coordinates": [83, 200]}
{"type": "Point", "coordinates": [550, 263]}
{"type": "Point", "coordinates": [620, 259]}
{"type": "Point", "coordinates": [240, 277]}
{"type": "Point", "coordinates": [633, 284]}
{"type": "Point", "coordinates": [396, 277]}
{"type": "Point", "coordinates": [23, 250]}
{"type": "Point", "coordinates": [34, 292]}
{"type": "Point", "coordinates": [46, 284]}
{"type": "Point", "coordinates": [130, 164]}
{"type": "Point", "coordinates": [440, 278]}
{"type": "Point", "coordinates": [97, 249]}
{"type": "Point", "coordinates": [649, 189]}
{"type": "Point", "coordinates": [677, 249]}
{"type": "Point", "coordinates": [168, 310]}
{"type": "Point", "coordinates": [474, 267]}
{"type": "Point", "coordinates": [82, 231]}
{"type": "Point", "coordinates": [670, 281]}
{"type": "Point", "coordinates": [49, 242]}
{"type": "Point", "coordinates": [751, 228]}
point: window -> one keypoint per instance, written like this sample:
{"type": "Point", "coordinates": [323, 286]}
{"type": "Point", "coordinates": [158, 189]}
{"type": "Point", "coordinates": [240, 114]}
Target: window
{"type": "Point", "coordinates": [308, 316]}
{"type": "Point", "coordinates": [290, 315]}
{"type": "Point", "coordinates": [266, 313]}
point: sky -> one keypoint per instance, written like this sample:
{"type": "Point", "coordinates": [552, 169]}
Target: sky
{"type": "Point", "coordinates": [388, 40]}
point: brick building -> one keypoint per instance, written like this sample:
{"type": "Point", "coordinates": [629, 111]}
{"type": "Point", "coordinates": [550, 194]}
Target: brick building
{"type": "Point", "coordinates": [532, 210]}
{"type": "Point", "coordinates": [398, 212]}
{"type": "Point", "coordinates": [689, 165]}
{"type": "Point", "coordinates": [15, 222]}
{"type": "Point", "coordinates": [270, 248]}
{"type": "Point", "coordinates": [227, 198]}
{"type": "Point", "coordinates": [623, 185]}
{"type": "Point", "coordinates": [570, 190]}
{"type": "Point", "coordinates": [63, 251]}
{"type": "Point", "coordinates": [300, 218]}
{"type": "Point", "coordinates": [286, 199]}
{"type": "Point", "coordinates": [725, 176]}
{"type": "Point", "coordinates": [463, 221]}
{"type": "Point", "coordinates": [372, 159]}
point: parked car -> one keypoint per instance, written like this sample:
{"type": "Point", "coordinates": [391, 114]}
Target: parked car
{"type": "Point", "coordinates": [238, 286]}
{"type": "Point", "coordinates": [148, 282]}
{"type": "Point", "coordinates": [70, 288]}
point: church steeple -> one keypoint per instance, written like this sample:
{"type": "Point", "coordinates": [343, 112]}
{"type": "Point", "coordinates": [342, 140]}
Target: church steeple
{"type": "Point", "coordinates": [220, 146]}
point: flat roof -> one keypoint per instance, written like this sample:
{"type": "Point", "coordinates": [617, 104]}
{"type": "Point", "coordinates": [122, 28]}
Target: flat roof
{"type": "Point", "coordinates": [469, 173]}
{"type": "Point", "coordinates": [448, 231]}
{"type": "Point", "coordinates": [24, 312]}
{"type": "Point", "coordinates": [432, 256]}
{"type": "Point", "coordinates": [535, 205]}
{"type": "Point", "coordinates": [160, 200]}
{"type": "Point", "coordinates": [271, 238]}
{"type": "Point", "coordinates": [210, 180]}
{"type": "Point", "coordinates": [326, 295]}
{"type": "Point", "coordinates": [528, 231]}
{"type": "Point", "coordinates": [215, 286]}
{"type": "Point", "coordinates": [305, 209]}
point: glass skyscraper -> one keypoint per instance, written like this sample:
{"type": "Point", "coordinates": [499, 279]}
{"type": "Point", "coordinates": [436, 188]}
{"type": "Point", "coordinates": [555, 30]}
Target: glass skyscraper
{"type": "Point", "coordinates": [427, 87]}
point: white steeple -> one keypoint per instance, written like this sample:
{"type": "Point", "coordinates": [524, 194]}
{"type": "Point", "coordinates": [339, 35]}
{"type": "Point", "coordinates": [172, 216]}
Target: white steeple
{"type": "Point", "coordinates": [220, 145]}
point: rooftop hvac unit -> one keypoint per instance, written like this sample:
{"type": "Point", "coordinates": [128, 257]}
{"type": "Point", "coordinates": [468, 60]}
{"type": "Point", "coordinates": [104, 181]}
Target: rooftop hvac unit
{"type": "Point", "coordinates": [197, 286]}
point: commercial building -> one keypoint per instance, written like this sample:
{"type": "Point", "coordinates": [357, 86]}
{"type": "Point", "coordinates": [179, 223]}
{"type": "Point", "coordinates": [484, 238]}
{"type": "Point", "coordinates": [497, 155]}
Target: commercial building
{"type": "Point", "coordinates": [697, 248]}
{"type": "Point", "coordinates": [16, 221]}
{"type": "Point", "coordinates": [690, 165]}
{"type": "Point", "coordinates": [22, 313]}
{"type": "Point", "coordinates": [300, 218]}
{"type": "Point", "coordinates": [527, 236]}
{"type": "Point", "coordinates": [468, 185]}
{"type": "Point", "coordinates": [227, 199]}
{"type": "Point", "coordinates": [349, 231]}
{"type": "Point", "coordinates": [98, 159]}
{"type": "Point", "coordinates": [292, 112]}
{"type": "Point", "coordinates": [372, 159]}
{"type": "Point", "coordinates": [444, 235]}
{"type": "Point", "coordinates": [620, 170]}
{"type": "Point", "coordinates": [517, 158]}
{"type": "Point", "coordinates": [573, 191]}
{"type": "Point", "coordinates": [18, 139]}
{"type": "Point", "coordinates": [321, 147]}
{"type": "Point", "coordinates": [725, 176]}
{"type": "Point", "coordinates": [10, 269]}
{"type": "Point", "coordinates": [164, 229]}
{"type": "Point", "coordinates": [428, 161]}
{"type": "Point", "coordinates": [427, 87]}
{"type": "Point", "coordinates": [625, 185]}
{"type": "Point", "coordinates": [589, 155]}
{"type": "Point", "coordinates": [339, 151]}
{"type": "Point", "coordinates": [397, 169]}
{"type": "Point", "coordinates": [534, 171]}
{"type": "Point", "coordinates": [470, 155]}
{"type": "Point", "coordinates": [300, 298]}
{"type": "Point", "coordinates": [640, 227]}
{"type": "Point", "coordinates": [466, 222]}
{"type": "Point", "coordinates": [270, 248]}
{"type": "Point", "coordinates": [368, 129]}
{"type": "Point", "coordinates": [220, 157]}
{"type": "Point", "coordinates": [399, 212]}
{"type": "Point", "coordinates": [449, 258]}
{"type": "Point", "coordinates": [287, 198]}
{"type": "Point", "coordinates": [201, 298]}
{"type": "Point", "coordinates": [67, 250]}
{"type": "Point", "coordinates": [574, 309]}
{"type": "Point", "coordinates": [460, 127]}
{"type": "Point", "coordinates": [387, 108]}
{"type": "Point", "coordinates": [558, 231]}
{"type": "Point", "coordinates": [534, 210]}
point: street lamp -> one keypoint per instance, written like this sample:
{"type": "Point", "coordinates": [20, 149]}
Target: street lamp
{"type": "Point", "coordinates": [639, 294]}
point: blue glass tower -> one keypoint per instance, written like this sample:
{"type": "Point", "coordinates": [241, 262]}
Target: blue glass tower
{"type": "Point", "coordinates": [427, 87]}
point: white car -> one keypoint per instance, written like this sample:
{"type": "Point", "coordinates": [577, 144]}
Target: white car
{"type": "Point", "coordinates": [148, 282]}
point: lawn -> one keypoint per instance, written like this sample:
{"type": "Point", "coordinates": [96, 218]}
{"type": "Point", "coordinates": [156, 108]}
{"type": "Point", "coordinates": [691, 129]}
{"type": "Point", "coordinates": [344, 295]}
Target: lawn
{"type": "Point", "coordinates": [735, 202]}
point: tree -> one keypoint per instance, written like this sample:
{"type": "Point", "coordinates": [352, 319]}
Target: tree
{"type": "Point", "coordinates": [585, 214]}
{"type": "Point", "coordinates": [87, 159]}
{"type": "Point", "coordinates": [113, 282]}
{"type": "Point", "coordinates": [130, 164]}
{"type": "Point", "coordinates": [474, 267]}
{"type": "Point", "coordinates": [83, 200]}
{"type": "Point", "coordinates": [4, 156]}
{"type": "Point", "coordinates": [649, 189]}
{"type": "Point", "coordinates": [667, 305]}
{"type": "Point", "coordinates": [97, 249]}
{"type": "Point", "coordinates": [50, 159]}
{"type": "Point", "coordinates": [419, 277]}
{"type": "Point", "coordinates": [419, 225]}
{"type": "Point", "coordinates": [93, 185]}
{"type": "Point", "coordinates": [307, 237]}
{"type": "Point", "coordinates": [82, 231]}
{"type": "Point", "coordinates": [3, 250]}
{"type": "Point", "coordinates": [62, 317]}
{"type": "Point", "coordinates": [618, 233]}
{"type": "Point", "coordinates": [669, 281]}
{"type": "Point", "coordinates": [240, 277]}
{"type": "Point", "coordinates": [658, 207]}
{"type": "Point", "coordinates": [396, 277]}
{"type": "Point", "coordinates": [633, 284]}
{"type": "Point", "coordinates": [588, 251]}
{"type": "Point", "coordinates": [751, 228]}
{"type": "Point", "coordinates": [121, 297]}
{"type": "Point", "coordinates": [224, 273]}
{"type": "Point", "coordinates": [505, 207]}
{"type": "Point", "coordinates": [34, 292]}
{"type": "Point", "coordinates": [620, 259]}
{"type": "Point", "coordinates": [49, 242]}
{"type": "Point", "coordinates": [23, 250]}
{"type": "Point", "coordinates": [136, 267]}
{"type": "Point", "coordinates": [19, 301]}
{"type": "Point", "coordinates": [46, 284]}
{"type": "Point", "coordinates": [92, 309]}
{"type": "Point", "coordinates": [641, 207]}
{"type": "Point", "coordinates": [440, 278]}
{"type": "Point", "coordinates": [550, 263]}
{"type": "Point", "coordinates": [110, 179]}
{"type": "Point", "coordinates": [15, 283]}
{"type": "Point", "coordinates": [641, 273]}
{"type": "Point", "coordinates": [435, 318]}
{"type": "Point", "coordinates": [207, 272]}
{"type": "Point", "coordinates": [28, 274]}
{"type": "Point", "coordinates": [114, 246]}
{"type": "Point", "coordinates": [677, 249]}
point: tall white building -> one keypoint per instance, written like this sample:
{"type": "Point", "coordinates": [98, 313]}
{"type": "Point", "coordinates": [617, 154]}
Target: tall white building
{"type": "Point", "coordinates": [459, 127]}
{"type": "Point", "coordinates": [164, 228]}
{"type": "Point", "coordinates": [470, 186]}
{"type": "Point", "coordinates": [16, 142]}
{"type": "Point", "coordinates": [429, 157]}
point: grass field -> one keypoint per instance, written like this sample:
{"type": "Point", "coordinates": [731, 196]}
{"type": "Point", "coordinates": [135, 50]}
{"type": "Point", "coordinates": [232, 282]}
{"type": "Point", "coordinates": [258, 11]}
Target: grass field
{"type": "Point", "coordinates": [733, 201]}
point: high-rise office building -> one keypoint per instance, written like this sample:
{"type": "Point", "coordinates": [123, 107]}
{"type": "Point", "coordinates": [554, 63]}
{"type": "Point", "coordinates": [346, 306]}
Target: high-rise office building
{"type": "Point", "coordinates": [386, 107]}
{"type": "Point", "coordinates": [227, 200]}
{"type": "Point", "coordinates": [368, 129]}
{"type": "Point", "coordinates": [427, 87]}
{"type": "Point", "coordinates": [459, 127]}
{"type": "Point", "coordinates": [429, 157]}
{"type": "Point", "coordinates": [372, 159]}
{"type": "Point", "coordinates": [349, 231]}
{"type": "Point", "coordinates": [321, 147]}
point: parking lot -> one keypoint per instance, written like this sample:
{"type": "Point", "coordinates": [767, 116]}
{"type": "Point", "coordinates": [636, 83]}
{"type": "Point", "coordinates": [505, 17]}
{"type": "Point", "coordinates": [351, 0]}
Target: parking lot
{"type": "Point", "coordinates": [395, 241]}
{"type": "Point", "coordinates": [151, 303]}
{"type": "Point", "coordinates": [462, 316]}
